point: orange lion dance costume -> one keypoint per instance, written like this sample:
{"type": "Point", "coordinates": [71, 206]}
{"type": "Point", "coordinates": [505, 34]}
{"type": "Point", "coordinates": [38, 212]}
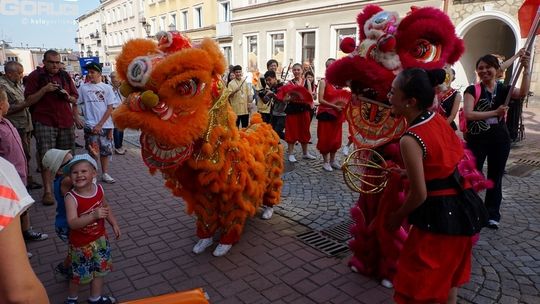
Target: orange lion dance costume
{"type": "Point", "coordinates": [175, 96]}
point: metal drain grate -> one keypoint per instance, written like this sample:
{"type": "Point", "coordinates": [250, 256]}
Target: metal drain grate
{"type": "Point", "coordinates": [322, 243]}
{"type": "Point", "coordinates": [340, 232]}
{"type": "Point", "coordinates": [523, 167]}
{"type": "Point", "coordinates": [529, 162]}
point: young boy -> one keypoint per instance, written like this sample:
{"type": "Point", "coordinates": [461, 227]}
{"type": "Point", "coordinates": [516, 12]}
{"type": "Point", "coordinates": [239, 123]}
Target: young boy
{"type": "Point", "coordinates": [98, 99]}
{"type": "Point", "coordinates": [54, 161]}
{"type": "Point", "coordinates": [86, 210]}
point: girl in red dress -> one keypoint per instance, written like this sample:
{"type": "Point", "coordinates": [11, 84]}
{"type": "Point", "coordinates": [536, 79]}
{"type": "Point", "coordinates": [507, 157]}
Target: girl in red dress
{"type": "Point", "coordinates": [329, 124]}
{"type": "Point", "coordinates": [436, 258]}
{"type": "Point", "coordinates": [297, 120]}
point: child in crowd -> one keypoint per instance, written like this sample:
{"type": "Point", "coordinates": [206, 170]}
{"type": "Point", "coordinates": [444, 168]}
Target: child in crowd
{"type": "Point", "coordinates": [98, 99]}
{"type": "Point", "coordinates": [89, 248]}
{"type": "Point", "coordinates": [54, 161]}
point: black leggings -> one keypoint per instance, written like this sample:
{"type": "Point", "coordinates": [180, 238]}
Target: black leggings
{"type": "Point", "coordinates": [242, 119]}
{"type": "Point", "coordinates": [497, 155]}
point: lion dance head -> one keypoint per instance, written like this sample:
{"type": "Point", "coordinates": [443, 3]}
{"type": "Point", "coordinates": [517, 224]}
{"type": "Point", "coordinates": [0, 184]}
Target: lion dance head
{"type": "Point", "coordinates": [169, 86]}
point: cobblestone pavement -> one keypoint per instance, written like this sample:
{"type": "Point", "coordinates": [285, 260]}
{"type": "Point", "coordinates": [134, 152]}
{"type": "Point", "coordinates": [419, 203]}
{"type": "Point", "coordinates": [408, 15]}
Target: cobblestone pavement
{"type": "Point", "coordinates": [270, 265]}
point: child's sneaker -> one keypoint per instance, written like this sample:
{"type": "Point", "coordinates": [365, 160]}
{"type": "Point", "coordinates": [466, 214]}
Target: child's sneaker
{"type": "Point", "coordinates": [31, 235]}
{"type": "Point", "coordinates": [61, 269]}
{"type": "Point", "coordinates": [71, 301]}
{"type": "Point", "coordinates": [103, 300]}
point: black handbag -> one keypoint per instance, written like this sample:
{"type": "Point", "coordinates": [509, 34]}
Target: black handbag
{"type": "Point", "coordinates": [460, 214]}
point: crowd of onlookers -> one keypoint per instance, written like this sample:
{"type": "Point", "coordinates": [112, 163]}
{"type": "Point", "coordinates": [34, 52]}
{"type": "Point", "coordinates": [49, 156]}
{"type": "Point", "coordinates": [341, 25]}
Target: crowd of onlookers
{"type": "Point", "coordinates": [48, 105]}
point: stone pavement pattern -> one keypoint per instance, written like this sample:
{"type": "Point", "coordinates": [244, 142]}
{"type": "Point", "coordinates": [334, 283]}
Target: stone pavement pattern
{"type": "Point", "coordinates": [270, 265]}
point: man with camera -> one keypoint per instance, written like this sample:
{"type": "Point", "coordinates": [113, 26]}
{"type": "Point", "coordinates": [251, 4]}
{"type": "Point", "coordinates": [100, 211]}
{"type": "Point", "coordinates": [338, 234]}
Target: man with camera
{"type": "Point", "coordinates": [277, 107]}
{"type": "Point", "coordinates": [52, 97]}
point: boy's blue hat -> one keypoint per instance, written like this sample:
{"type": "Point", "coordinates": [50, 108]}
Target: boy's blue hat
{"type": "Point", "coordinates": [77, 159]}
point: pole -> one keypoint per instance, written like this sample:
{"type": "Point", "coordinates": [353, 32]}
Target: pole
{"type": "Point", "coordinates": [528, 46]}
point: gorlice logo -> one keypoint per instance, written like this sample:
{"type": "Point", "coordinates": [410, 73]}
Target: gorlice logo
{"type": "Point", "coordinates": [38, 8]}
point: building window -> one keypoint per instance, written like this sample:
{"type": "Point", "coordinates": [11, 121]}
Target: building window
{"type": "Point", "coordinates": [277, 47]}
{"type": "Point", "coordinates": [197, 17]}
{"type": "Point", "coordinates": [308, 47]}
{"type": "Point", "coordinates": [162, 25]}
{"type": "Point", "coordinates": [99, 43]}
{"type": "Point", "coordinates": [227, 53]}
{"type": "Point", "coordinates": [225, 12]}
{"type": "Point", "coordinates": [341, 34]}
{"type": "Point", "coordinates": [184, 20]}
{"type": "Point", "coordinates": [13, 58]}
{"type": "Point", "coordinates": [252, 51]}
{"type": "Point", "coordinates": [130, 9]}
{"type": "Point", "coordinates": [173, 21]}
{"type": "Point", "coordinates": [153, 28]}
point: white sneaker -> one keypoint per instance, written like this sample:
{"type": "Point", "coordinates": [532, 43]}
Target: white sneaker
{"type": "Point", "coordinates": [267, 213]}
{"type": "Point", "coordinates": [386, 283]}
{"type": "Point", "coordinates": [327, 167]}
{"type": "Point", "coordinates": [221, 250]}
{"type": "Point", "coordinates": [292, 159]}
{"type": "Point", "coordinates": [345, 150]}
{"type": "Point", "coordinates": [335, 165]}
{"type": "Point", "coordinates": [309, 156]}
{"type": "Point", "coordinates": [202, 244]}
{"type": "Point", "coordinates": [120, 151]}
{"type": "Point", "coordinates": [29, 254]}
{"type": "Point", "coordinates": [106, 178]}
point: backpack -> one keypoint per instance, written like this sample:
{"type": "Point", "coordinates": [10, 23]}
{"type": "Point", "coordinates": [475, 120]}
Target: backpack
{"type": "Point", "coordinates": [461, 114]}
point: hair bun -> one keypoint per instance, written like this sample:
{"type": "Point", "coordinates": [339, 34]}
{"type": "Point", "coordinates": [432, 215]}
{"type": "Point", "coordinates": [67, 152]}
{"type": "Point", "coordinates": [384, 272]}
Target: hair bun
{"type": "Point", "coordinates": [436, 76]}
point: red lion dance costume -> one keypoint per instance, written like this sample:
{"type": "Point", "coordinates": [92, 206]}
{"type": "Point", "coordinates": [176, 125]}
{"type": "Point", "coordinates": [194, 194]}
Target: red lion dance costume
{"type": "Point", "coordinates": [425, 38]}
{"type": "Point", "coordinates": [175, 96]}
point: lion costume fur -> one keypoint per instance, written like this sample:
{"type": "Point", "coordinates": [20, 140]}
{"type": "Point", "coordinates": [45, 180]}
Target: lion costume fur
{"type": "Point", "coordinates": [175, 96]}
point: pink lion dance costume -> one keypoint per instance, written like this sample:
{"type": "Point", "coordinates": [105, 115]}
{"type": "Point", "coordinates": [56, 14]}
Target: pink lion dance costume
{"type": "Point", "coordinates": [425, 38]}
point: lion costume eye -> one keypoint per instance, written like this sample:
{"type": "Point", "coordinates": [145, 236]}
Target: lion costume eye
{"type": "Point", "coordinates": [424, 51]}
{"type": "Point", "coordinates": [140, 68]}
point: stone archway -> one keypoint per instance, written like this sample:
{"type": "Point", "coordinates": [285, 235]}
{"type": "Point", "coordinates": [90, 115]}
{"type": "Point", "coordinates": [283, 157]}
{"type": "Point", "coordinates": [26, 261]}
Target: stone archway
{"type": "Point", "coordinates": [486, 32]}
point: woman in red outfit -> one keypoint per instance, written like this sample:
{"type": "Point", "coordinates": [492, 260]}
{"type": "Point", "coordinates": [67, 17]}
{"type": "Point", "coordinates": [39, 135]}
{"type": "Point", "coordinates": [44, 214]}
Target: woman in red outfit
{"type": "Point", "coordinates": [329, 124]}
{"type": "Point", "coordinates": [297, 120]}
{"type": "Point", "coordinates": [436, 258]}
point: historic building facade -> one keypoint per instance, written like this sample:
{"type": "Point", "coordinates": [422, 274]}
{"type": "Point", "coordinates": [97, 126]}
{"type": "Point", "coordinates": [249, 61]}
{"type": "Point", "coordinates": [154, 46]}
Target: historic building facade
{"type": "Point", "coordinates": [488, 27]}
{"type": "Point", "coordinates": [299, 30]}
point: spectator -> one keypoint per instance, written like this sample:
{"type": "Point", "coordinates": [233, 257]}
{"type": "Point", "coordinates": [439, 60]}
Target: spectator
{"type": "Point", "coordinates": [98, 99]}
{"type": "Point", "coordinates": [263, 105]}
{"type": "Point", "coordinates": [19, 283]}
{"type": "Point", "coordinates": [52, 97]}
{"type": "Point", "coordinates": [118, 134]}
{"type": "Point", "coordinates": [449, 98]}
{"type": "Point", "coordinates": [89, 249]}
{"type": "Point", "coordinates": [277, 106]}
{"type": "Point", "coordinates": [54, 161]}
{"type": "Point", "coordinates": [18, 113]}
{"type": "Point", "coordinates": [487, 134]}
{"type": "Point", "coordinates": [12, 150]}
{"type": "Point", "coordinates": [240, 97]}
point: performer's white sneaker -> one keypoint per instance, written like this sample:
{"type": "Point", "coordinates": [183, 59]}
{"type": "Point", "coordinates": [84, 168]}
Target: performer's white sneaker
{"type": "Point", "coordinates": [267, 213]}
{"type": "Point", "coordinates": [386, 283]}
{"type": "Point", "coordinates": [221, 250]}
{"type": "Point", "coordinates": [327, 167]}
{"type": "Point", "coordinates": [335, 165]}
{"type": "Point", "coordinates": [202, 244]}
{"type": "Point", "coordinates": [292, 159]}
{"type": "Point", "coordinates": [345, 150]}
{"type": "Point", "coordinates": [309, 156]}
